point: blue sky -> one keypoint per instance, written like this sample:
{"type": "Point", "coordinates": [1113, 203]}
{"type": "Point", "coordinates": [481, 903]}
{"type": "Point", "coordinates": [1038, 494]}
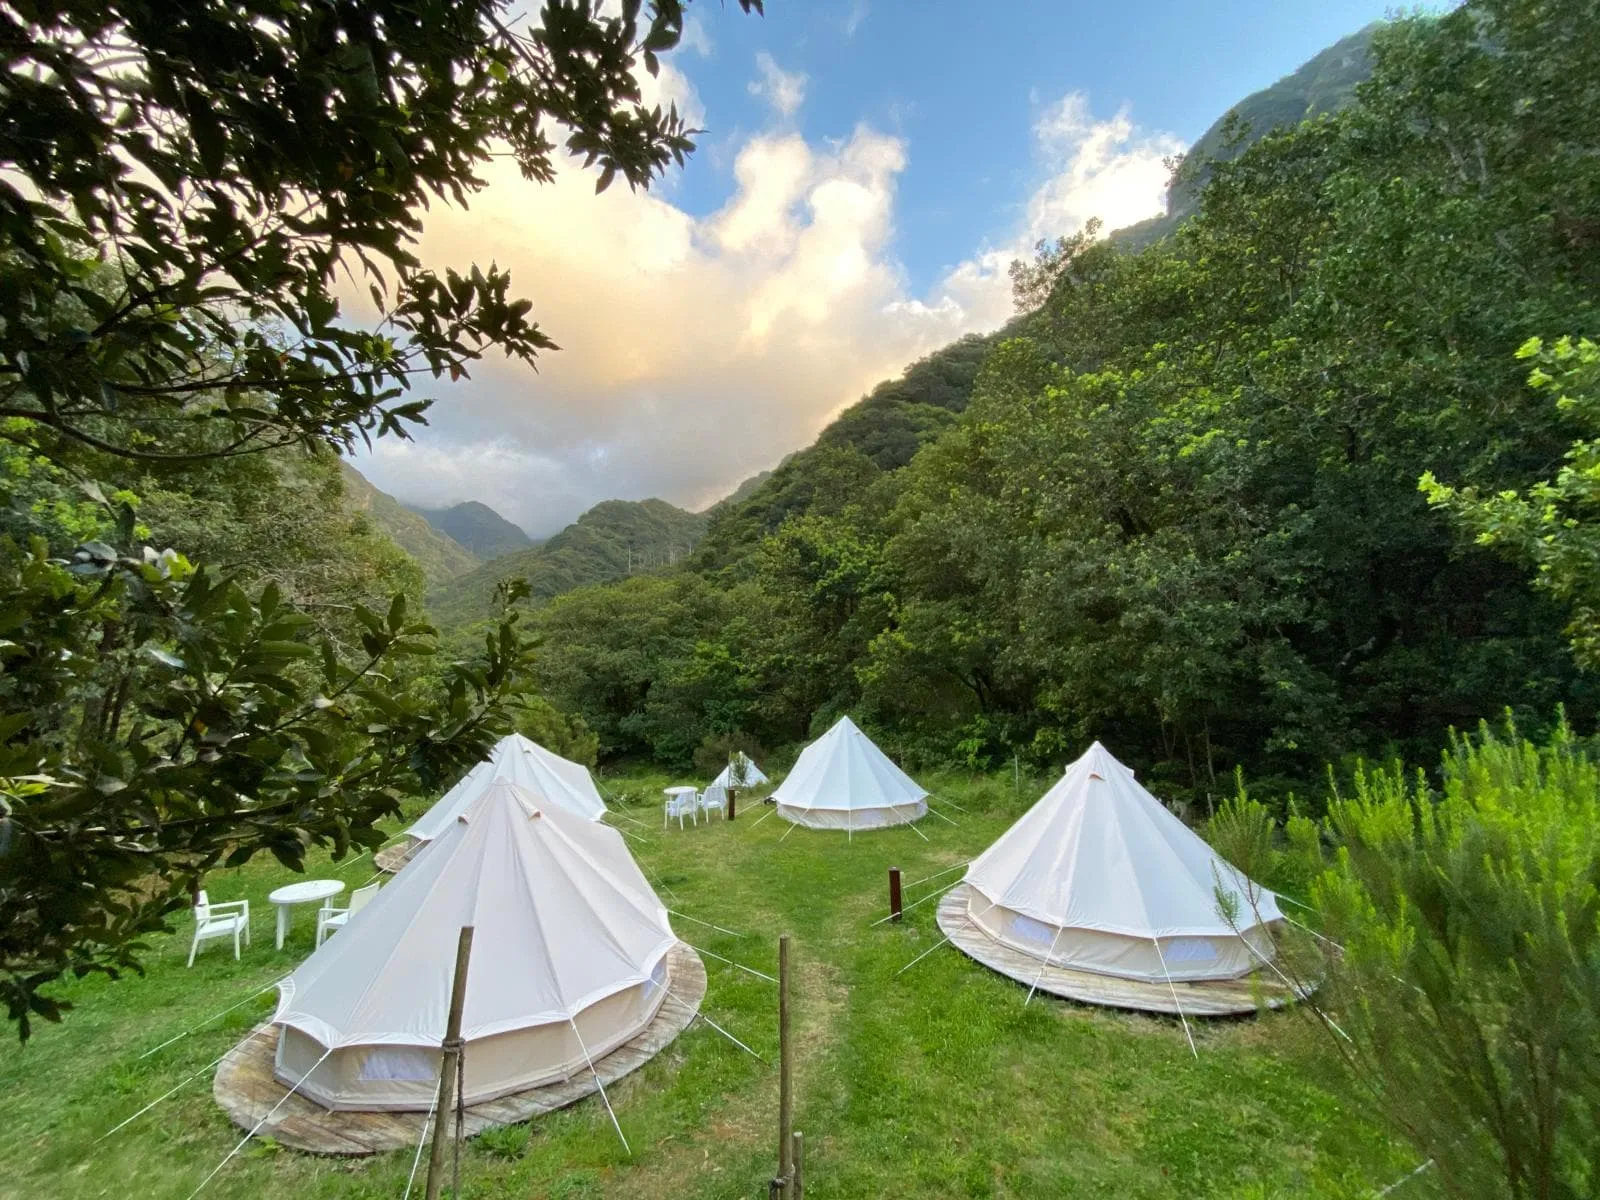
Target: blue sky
{"type": "Point", "coordinates": [869, 170]}
{"type": "Point", "coordinates": [962, 82]}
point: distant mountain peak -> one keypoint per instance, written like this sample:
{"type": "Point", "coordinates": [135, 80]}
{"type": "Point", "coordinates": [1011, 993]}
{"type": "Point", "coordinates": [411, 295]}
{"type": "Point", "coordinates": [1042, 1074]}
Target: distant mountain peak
{"type": "Point", "coordinates": [439, 555]}
{"type": "Point", "coordinates": [612, 540]}
{"type": "Point", "coordinates": [477, 527]}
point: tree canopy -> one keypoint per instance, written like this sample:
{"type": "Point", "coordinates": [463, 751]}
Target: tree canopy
{"type": "Point", "coordinates": [204, 654]}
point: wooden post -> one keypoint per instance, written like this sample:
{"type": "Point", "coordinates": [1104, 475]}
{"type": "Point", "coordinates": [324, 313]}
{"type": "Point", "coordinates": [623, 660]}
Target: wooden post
{"type": "Point", "coordinates": [797, 1187]}
{"type": "Point", "coordinates": [894, 894]}
{"type": "Point", "coordinates": [449, 1063]}
{"type": "Point", "coordinates": [732, 792]}
{"type": "Point", "coordinates": [785, 1073]}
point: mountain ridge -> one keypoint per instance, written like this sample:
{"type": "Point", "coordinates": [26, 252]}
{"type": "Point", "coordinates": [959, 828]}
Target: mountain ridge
{"type": "Point", "coordinates": [478, 527]}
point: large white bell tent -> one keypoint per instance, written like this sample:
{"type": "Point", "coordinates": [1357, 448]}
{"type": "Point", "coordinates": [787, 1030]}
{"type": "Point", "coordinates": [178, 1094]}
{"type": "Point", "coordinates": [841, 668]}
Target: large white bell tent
{"type": "Point", "coordinates": [1099, 876]}
{"type": "Point", "coordinates": [569, 962]}
{"type": "Point", "coordinates": [557, 782]}
{"type": "Point", "coordinates": [749, 776]}
{"type": "Point", "coordinates": [843, 781]}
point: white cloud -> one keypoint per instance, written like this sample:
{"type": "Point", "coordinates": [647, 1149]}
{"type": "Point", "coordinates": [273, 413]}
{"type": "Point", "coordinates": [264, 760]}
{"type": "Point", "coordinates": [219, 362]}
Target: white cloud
{"type": "Point", "coordinates": [785, 91]}
{"type": "Point", "coordinates": [1110, 169]}
{"type": "Point", "coordinates": [853, 19]}
{"type": "Point", "coordinates": [699, 350]}
{"type": "Point", "coordinates": [696, 37]}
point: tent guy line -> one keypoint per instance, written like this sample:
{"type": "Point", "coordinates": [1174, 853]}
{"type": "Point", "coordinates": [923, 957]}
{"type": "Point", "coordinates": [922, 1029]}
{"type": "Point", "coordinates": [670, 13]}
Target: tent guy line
{"type": "Point", "coordinates": [270, 1114]}
{"type": "Point", "coordinates": [907, 908]}
{"type": "Point", "coordinates": [422, 1140]}
{"type": "Point", "coordinates": [700, 1014]}
{"type": "Point", "coordinates": [731, 963]}
{"type": "Point", "coordinates": [707, 924]}
{"type": "Point", "coordinates": [176, 1087]}
{"type": "Point", "coordinates": [1175, 1004]}
{"type": "Point", "coordinates": [261, 991]}
{"type": "Point", "coordinates": [599, 1083]}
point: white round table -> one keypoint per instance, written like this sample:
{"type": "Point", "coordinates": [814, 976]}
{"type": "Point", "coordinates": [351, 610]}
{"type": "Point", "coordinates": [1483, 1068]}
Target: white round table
{"type": "Point", "coordinates": [312, 891]}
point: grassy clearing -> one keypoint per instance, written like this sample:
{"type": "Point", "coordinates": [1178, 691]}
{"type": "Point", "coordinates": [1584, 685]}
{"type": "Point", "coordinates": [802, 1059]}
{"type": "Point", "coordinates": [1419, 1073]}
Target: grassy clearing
{"type": "Point", "coordinates": [940, 1082]}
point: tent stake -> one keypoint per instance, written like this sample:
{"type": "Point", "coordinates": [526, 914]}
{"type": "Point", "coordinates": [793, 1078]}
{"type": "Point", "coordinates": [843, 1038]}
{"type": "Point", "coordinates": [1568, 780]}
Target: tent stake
{"type": "Point", "coordinates": [894, 895]}
{"type": "Point", "coordinates": [733, 794]}
{"type": "Point", "coordinates": [797, 1185]}
{"type": "Point", "coordinates": [785, 1076]}
{"type": "Point", "coordinates": [449, 1063]}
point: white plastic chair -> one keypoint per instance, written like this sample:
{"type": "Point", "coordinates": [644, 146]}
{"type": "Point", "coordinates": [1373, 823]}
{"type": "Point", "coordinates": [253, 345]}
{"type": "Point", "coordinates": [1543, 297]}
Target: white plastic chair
{"type": "Point", "coordinates": [714, 800]}
{"type": "Point", "coordinates": [212, 921]}
{"type": "Point", "coordinates": [681, 806]}
{"type": "Point", "coordinates": [330, 918]}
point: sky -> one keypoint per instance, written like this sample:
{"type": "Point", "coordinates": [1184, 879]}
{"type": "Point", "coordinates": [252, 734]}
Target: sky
{"type": "Point", "coordinates": [867, 172]}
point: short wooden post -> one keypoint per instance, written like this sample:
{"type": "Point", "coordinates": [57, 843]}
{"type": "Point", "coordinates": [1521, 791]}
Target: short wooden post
{"type": "Point", "coordinates": [797, 1184]}
{"type": "Point", "coordinates": [895, 910]}
{"type": "Point", "coordinates": [732, 793]}
{"type": "Point", "coordinates": [785, 1073]}
{"type": "Point", "coordinates": [449, 1063]}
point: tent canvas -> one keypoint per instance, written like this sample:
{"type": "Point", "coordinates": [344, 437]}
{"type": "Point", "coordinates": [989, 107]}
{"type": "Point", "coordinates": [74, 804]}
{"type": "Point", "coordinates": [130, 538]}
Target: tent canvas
{"type": "Point", "coordinates": [753, 776]}
{"type": "Point", "coordinates": [843, 781]}
{"type": "Point", "coordinates": [555, 780]}
{"type": "Point", "coordinates": [1100, 876]}
{"type": "Point", "coordinates": [570, 945]}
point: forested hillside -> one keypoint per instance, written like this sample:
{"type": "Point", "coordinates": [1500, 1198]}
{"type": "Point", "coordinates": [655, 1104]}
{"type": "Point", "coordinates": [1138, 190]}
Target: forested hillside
{"type": "Point", "coordinates": [1177, 505]}
{"type": "Point", "coordinates": [612, 540]}
{"type": "Point", "coordinates": [1323, 84]}
{"type": "Point", "coordinates": [439, 555]}
{"type": "Point", "coordinates": [477, 527]}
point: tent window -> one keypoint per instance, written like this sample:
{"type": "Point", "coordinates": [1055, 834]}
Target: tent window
{"type": "Point", "coordinates": [1189, 949]}
{"type": "Point", "coordinates": [1030, 930]}
{"type": "Point", "coordinates": [389, 1064]}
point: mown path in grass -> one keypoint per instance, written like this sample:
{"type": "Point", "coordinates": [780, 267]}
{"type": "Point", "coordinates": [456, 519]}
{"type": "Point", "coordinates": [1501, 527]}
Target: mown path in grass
{"type": "Point", "coordinates": [936, 1082]}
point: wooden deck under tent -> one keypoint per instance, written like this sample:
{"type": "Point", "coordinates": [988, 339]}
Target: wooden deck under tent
{"type": "Point", "coordinates": [247, 1090]}
{"type": "Point", "coordinates": [392, 858]}
{"type": "Point", "coordinates": [1213, 998]}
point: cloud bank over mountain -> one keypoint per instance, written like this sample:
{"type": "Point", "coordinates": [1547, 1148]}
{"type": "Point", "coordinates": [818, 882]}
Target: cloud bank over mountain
{"type": "Point", "coordinates": [698, 350]}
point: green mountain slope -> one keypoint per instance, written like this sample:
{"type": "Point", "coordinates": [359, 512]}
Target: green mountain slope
{"type": "Point", "coordinates": [477, 527]}
{"type": "Point", "coordinates": [878, 434]}
{"type": "Point", "coordinates": [611, 541]}
{"type": "Point", "coordinates": [440, 556]}
{"type": "Point", "coordinates": [1325, 83]}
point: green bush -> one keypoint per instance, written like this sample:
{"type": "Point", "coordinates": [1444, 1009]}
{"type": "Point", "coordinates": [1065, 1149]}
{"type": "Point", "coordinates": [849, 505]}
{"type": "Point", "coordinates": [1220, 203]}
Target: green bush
{"type": "Point", "coordinates": [1468, 990]}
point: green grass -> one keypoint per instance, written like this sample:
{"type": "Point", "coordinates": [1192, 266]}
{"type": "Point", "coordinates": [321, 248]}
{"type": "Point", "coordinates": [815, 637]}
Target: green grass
{"type": "Point", "coordinates": [937, 1082]}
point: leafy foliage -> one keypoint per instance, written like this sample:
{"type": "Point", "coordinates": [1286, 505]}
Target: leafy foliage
{"type": "Point", "coordinates": [1468, 983]}
{"type": "Point", "coordinates": [1553, 526]}
{"type": "Point", "coordinates": [185, 190]}
{"type": "Point", "coordinates": [159, 719]}
{"type": "Point", "coordinates": [243, 156]}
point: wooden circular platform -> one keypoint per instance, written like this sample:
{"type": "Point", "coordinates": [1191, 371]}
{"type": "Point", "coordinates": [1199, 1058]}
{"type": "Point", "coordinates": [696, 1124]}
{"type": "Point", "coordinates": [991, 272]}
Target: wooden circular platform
{"type": "Point", "coordinates": [1213, 998]}
{"type": "Point", "coordinates": [392, 858]}
{"type": "Point", "coordinates": [247, 1091]}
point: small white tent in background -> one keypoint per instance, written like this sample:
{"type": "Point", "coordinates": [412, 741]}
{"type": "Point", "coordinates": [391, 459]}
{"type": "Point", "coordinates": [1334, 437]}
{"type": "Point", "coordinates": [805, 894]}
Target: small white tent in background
{"type": "Point", "coordinates": [571, 946]}
{"type": "Point", "coordinates": [1099, 876]}
{"type": "Point", "coordinates": [749, 775]}
{"type": "Point", "coordinates": [843, 781]}
{"type": "Point", "coordinates": [554, 780]}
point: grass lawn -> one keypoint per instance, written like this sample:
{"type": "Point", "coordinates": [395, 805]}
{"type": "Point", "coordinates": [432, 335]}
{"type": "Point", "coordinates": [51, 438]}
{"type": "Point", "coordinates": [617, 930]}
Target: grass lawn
{"type": "Point", "coordinates": [938, 1082]}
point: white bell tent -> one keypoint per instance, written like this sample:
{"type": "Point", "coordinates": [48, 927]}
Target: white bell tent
{"type": "Point", "coordinates": [568, 963]}
{"type": "Point", "coordinates": [1099, 876]}
{"type": "Point", "coordinates": [554, 780]}
{"type": "Point", "coordinates": [843, 781]}
{"type": "Point", "coordinates": [752, 775]}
